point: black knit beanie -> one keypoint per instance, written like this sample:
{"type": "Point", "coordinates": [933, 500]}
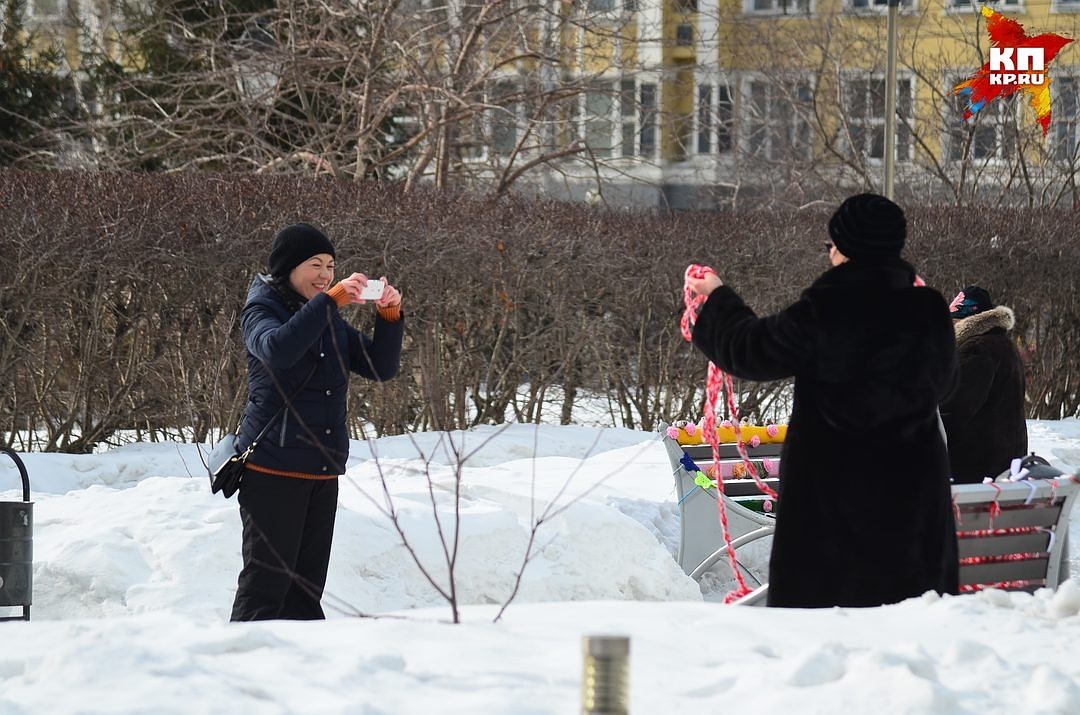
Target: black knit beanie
{"type": "Point", "coordinates": [295, 244]}
{"type": "Point", "coordinates": [868, 227]}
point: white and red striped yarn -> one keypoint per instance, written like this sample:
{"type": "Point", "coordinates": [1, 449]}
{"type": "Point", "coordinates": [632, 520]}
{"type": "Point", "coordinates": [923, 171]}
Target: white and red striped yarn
{"type": "Point", "coordinates": [718, 380]}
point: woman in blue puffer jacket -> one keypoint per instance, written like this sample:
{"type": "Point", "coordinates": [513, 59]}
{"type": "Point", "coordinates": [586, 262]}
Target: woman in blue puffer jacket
{"type": "Point", "coordinates": [300, 353]}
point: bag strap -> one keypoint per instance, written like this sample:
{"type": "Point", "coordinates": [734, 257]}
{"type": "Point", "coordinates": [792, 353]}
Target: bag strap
{"type": "Point", "coordinates": [270, 423]}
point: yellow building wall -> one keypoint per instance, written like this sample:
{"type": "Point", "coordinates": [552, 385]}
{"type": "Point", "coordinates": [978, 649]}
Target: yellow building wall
{"type": "Point", "coordinates": [677, 91]}
{"type": "Point", "coordinates": [933, 40]}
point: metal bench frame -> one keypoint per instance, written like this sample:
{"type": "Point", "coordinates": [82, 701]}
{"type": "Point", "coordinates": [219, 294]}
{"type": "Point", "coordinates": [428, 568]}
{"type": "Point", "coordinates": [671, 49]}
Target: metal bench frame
{"type": "Point", "coordinates": [701, 541]}
{"type": "Point", "coordinates": [1012, 535]}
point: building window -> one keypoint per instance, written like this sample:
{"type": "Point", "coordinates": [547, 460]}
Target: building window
{"type": "Point", "coordinates": [684, 5]}
{"type": "Point", "coordinates": [684, 35]}
{"type": "Point", "coordinates": [647, 118]}
{"type": "Point", "coordinates": [599, 124]}
{"type": "Point", "coordinates": [989, 135]}
{"type": "Point", "coordinates": [969, 6]}
{"type": "Point", "coordinates": [468, 136]}
{"type": "Point", "coordinates": [1065, 119]}
{"type": "Point", "coordinates": [628, 112]}
{"type": "Point", "coordinates": [715, 119]}
{"type": "Point", "coordinates": [864, 107]}
{"type": "Point", "coordinates": [777, 7]}
{"type": "Point", "coordinates": [503, 117]}
{"type": "Point", "coordinates": [637, 112]}
{"type": "Point", "coordinates": [46, 9]}
{"type": "Point", "coordinates": [875, 4]}
{"type": "Point", "coordinates": [562, 119]}
{"type": "Point", "coordinates": [704, 119]}
{"type": "Point", "coordinates": [593, 7]}
{"type": "Point", "coordinates": [427, 13]}
{"type": "Point", "coordinates": [776, 119]}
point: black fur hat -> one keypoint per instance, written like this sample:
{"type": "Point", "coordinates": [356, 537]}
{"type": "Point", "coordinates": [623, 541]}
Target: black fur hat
{"type": "Point", "coordinates": [868, 227]}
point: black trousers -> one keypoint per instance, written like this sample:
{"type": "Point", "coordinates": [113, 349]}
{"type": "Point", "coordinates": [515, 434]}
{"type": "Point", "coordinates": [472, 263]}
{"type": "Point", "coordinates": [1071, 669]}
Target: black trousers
{"type": "Point", "coordinates": [288, 529]}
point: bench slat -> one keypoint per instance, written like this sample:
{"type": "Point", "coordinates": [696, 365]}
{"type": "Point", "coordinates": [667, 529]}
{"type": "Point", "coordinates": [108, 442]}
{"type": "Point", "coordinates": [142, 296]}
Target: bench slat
{"type": "Point", "coordinates": [1004, 544]}
{"type": "Point", "coordinates": [1010, 500]}
{"type": "Point", "coordinates": [1009, 518]}
{"type": "Point", "coordinates": [747, 487]}
{"type": "Point", "coordinates": [1031, 587]}
{"type": "Point", "coordinates": [703, 452]}
{"type": "Point", "coordinates": [1003, 571]}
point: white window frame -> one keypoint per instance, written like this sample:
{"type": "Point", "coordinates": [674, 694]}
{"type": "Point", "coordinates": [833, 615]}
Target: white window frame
{"type": "Point", "coordinates": [716, 85]}
{"type": "Point", "coordinates": [605, 87]}
{"type": "Point", "coordinates": [33, 16]}
{"type": "Point", "coordinates": [634, 121]}
{"type": "Point", "coordinates": [618, 8]}
{"type": "Point", "coordinates": [903, 76]}
{"type": "Point", "coordinates": [562, 123]}
{"type": "Point", "coordinates": [1065, 6]}
{"type": "Point", "coordinates": [1070, 122]}
{"type": "Point", "coordinates": [621, 122]}
{"type": "Point", "coordinates": [496, 118]}
{"type": "Point", "coordinates": [477, 128]}
{"type": "Point", "coordinates": [781, 7]}
{"type": "Point", "coordinates": [995, 112]}
{"type": "Point", "coordinates": [789, 122]}
{"type": "Point", "coordinates": [676, 6]}
{"type": "Point", "coordinates": [961, 7]}
{"type": "Point", "coordinates": [876, 7]}
{"type": "Point", "coordinates": [483, 124]}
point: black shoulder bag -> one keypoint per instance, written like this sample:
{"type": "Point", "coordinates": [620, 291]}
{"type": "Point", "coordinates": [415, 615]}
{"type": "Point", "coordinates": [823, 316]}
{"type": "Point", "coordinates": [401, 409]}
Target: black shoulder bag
{"type": "Point", "coordinates": [226, 463]}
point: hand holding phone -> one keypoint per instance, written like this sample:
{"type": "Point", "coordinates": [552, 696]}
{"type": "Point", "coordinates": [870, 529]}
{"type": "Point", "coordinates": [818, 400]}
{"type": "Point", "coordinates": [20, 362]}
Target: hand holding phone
{"type": "Point", "coordinates": [373, 290]}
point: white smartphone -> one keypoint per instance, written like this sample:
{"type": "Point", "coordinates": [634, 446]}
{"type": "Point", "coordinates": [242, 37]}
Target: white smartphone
{"type": "Point", "coordinates": [373, 290]}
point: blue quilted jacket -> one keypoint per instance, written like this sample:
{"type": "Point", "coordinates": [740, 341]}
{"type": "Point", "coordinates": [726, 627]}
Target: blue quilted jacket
{"type": "Point", "coordinates": [284, 344]}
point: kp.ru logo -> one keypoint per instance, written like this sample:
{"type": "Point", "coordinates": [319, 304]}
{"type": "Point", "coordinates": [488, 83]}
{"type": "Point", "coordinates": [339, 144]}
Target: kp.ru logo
{"type": "Point", "coordinates": [1028, 67]}
{"type": "Point", "coordinates": [1017, 64]}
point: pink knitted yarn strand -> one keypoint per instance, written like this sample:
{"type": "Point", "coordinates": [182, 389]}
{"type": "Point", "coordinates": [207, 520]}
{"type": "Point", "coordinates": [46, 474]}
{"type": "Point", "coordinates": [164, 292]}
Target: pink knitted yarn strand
{"type": "Point", "coordinates": [714, 384]}
{"type": "Point", "coordinates": [692, 300]}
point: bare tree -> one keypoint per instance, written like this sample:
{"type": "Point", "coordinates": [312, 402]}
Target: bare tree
{"type": "Point", "coordinates": [475, 93]}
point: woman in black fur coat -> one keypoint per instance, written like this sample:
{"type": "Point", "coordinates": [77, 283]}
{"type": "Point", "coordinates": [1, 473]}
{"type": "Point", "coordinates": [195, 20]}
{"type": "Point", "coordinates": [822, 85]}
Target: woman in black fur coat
{"type": "Point", "coordinates": [865, 515]}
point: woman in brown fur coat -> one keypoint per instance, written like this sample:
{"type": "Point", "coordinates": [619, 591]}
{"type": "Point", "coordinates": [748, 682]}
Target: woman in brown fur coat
{"type": "Point", "coordinates": [984, 414]}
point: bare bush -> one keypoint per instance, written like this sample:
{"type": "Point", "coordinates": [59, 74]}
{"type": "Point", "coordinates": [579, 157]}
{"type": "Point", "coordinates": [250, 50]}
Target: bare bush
{"type": "Point", "coordinates": [120, 295]}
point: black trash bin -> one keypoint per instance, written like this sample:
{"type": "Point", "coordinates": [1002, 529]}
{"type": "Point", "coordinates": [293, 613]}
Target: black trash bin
{"type": "Point", "coordinates": [17, 547]}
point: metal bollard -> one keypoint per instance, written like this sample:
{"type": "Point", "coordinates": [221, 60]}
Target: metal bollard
{"type": "Point", "coordinates": [605, 682]}
{"type": "Point", "coordinates": [17, 547]}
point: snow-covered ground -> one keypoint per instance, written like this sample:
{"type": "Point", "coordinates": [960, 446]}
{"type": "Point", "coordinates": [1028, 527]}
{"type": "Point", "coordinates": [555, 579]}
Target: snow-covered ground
{"type": "Point", "coordinates": [135, 565]}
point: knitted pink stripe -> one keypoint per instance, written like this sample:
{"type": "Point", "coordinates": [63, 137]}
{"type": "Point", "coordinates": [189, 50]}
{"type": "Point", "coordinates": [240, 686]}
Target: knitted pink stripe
{"type": "Point", "coordinates": [716, 382]}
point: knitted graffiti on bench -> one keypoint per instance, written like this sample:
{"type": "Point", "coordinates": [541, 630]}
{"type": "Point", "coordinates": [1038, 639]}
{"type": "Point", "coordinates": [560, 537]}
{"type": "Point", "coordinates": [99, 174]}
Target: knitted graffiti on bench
{"type": "Point", "coordinates": [1031, 535]}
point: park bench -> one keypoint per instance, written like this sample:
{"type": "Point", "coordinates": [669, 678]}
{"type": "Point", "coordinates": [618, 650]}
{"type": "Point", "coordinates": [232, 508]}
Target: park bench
{"type": "Point", "coordinates": [1012, 535]}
